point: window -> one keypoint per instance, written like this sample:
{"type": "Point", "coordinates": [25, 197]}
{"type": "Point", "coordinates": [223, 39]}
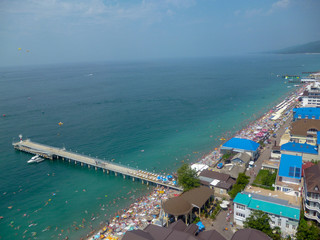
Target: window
{"type": "Point", "coordinates": [291, 171]}
{"type": "Point", "coordinates": [284, 189]}
{"type": "Point", "coordinates": [279, 222]}
{"type": "Point", "coordinates": [287, 225]}
{"type": "Point", "coordinates": [294, 227]}
{"type": "Point", "coordinates": [294, 172]}
{"type": "Point", "coordinates": [312, 130]}
{"type": "Point", "coordinates": [241, 207]}
{"type": "Point", "coordinates": [240, 215]}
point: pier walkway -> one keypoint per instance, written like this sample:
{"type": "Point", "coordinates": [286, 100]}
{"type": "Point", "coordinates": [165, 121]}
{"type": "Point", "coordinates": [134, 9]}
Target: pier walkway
{"type": "Point", "coordinates": [106, 166]}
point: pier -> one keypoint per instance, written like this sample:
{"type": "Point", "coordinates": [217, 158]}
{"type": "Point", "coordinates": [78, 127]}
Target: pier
{"type": "Point", "coordinates": [53, 153]}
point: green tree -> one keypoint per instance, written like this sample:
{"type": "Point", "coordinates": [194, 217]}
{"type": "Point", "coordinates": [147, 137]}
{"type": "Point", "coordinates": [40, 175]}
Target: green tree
{"type": "Point", "coordinates": [259, 220]}
{"type": "Point", "coordinates": [242, 179]}
{"type": "Point", "coordinates": [187, 178]}
{"type": "Point", "coordinates": [307, 230]}
{"type": "Point", "coordinates": [240, 184]}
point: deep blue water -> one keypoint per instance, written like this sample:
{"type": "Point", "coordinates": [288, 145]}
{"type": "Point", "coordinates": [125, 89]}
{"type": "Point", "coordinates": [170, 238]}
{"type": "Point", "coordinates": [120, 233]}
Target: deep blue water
{"type": "Point", "coordinates": [174, 110]}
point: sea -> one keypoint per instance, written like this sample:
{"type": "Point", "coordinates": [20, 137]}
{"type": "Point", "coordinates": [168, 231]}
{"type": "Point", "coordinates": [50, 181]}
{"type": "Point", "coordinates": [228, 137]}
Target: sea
{"type": "Point", "coordinates": [153, 115]}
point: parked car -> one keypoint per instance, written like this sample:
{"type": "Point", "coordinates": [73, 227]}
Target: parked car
{"type": "Point", "coordinates": [220, 165]}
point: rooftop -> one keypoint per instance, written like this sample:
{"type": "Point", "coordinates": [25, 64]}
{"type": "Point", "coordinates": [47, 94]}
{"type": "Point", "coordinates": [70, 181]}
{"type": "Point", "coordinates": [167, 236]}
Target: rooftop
{"type": "Point", "coordinates": [242, 156]}
{"type": "Point", "coordinates": [268, 204]}
{"type": "Point", "coordinates": [305, 166]}
{"type": "Point", "coordinates": [214, 175]}
{"type": "Point", "coordinates": [290, 166]}
{"type": "Point", "coordinates": [183, 204]}
{"type": "Point", "coordinates": [306, 113]}
{"type": "Point", "coordinates": [272, 164]}
{"type": "Point", "coordinates": [303, 127]}
{"type": "Point", "coordinates": [241, 144]}
{"type": "Point", "coordinates": [295, 187]}
{"type": "Point", "coordinates": [286, 199]}
{"type": "Point", "coordinates": [176, 231]}
{"type": "Point", "coordinates": [299, 147]}
{"type": "Point", "coordinates": [312, 178]}
{"type": "Point", "coordinates": [250, 234]}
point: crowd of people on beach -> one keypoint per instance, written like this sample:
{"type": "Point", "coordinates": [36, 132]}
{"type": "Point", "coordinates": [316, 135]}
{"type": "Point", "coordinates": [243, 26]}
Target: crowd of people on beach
{"type": "Point", "coordinates": [139, 214]}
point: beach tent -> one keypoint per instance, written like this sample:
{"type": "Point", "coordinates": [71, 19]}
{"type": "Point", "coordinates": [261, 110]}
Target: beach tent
{"type": "Point", "coordinates": [198, 167]}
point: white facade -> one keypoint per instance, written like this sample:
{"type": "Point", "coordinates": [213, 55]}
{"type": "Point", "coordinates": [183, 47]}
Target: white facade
{"type": "Point", "coordinates": [311, 204]}
{"type": "Point", "coordinates": [312, 99]}
{"type": "Point", "coordinates": [288, 226]}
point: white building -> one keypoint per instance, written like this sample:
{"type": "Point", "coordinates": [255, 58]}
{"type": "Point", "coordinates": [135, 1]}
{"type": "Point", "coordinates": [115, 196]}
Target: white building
{"type": "Point", "coordinates": [282, 212]}
{"type": "Point", "coordinates": [311, 96]}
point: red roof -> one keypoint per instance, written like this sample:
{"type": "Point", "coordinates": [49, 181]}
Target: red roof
{"type": "Point", "coordinates": [305, 166]}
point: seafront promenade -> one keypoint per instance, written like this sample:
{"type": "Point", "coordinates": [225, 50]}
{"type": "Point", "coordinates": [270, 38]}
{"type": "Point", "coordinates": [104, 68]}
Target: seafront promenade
{"type": "Point", "coordinates": [54, 153]}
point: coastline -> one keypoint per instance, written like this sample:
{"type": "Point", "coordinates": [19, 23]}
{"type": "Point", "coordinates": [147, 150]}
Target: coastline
{"type": "Point", "coordinates": [212, 158]}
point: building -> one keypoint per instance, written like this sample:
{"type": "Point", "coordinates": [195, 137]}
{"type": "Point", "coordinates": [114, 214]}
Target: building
{"type": "Point", "coordinates": [183, 206]}
{"type": "Point", "coordinates": [305, 166]}
{"type": "Point", "coordinates": [306, 151]}
{"type": "Point", "coordinates": [311, 192]}
{"type": "Point", "coordinates": [176, 231]}
{"type": "Point", "coordinates": [306, 113]}
{"type": "Point", "coordinates": [221, 183]}
{"type": "Point", "coordinates": [271, 165]}
{"type": "Point", "coordinates": [241, 145]}
{"type": "Point", "coordinates": [311, 96]}
{"type": "Point", "coordinates": [250, 234]}
{"type": "Point", "coordinates": [305, 131]}
{"type": "Point", "coordinates": [283, 210]}
{"type": "Point", "coordinates": [289, 175]}
{"type": "Point", "coordinates": [241, 158]}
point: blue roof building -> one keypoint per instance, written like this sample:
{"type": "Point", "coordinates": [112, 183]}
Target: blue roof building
{"type": "Point", "coordinates": [282, 213]}
{"type": "Point", "coordinates": [289, 175]}
{"type": "Point", "coordinates": [290, 166]}
{"type": "Point", "coordinates": [299, 148]}
{"type": "Point", "coordinates": [240, 145]}
{"type": "Point", "coordinates": [306, 113]}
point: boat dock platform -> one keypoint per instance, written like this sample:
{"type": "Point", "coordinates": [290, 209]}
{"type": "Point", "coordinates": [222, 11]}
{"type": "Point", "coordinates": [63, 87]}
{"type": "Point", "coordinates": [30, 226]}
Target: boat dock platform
{"type": "Point", "coordinates": [53, 153]}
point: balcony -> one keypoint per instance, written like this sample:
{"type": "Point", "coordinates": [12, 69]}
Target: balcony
{"type": "Point", "coordinates": [309, 216]}
{"type": "Point", "coordinates": [311, 199]}
{"type": "Point", "coordinates": [312, 208]}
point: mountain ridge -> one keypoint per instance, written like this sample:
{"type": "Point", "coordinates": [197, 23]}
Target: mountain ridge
{"type": "Point", "coordinates": [311, 47]}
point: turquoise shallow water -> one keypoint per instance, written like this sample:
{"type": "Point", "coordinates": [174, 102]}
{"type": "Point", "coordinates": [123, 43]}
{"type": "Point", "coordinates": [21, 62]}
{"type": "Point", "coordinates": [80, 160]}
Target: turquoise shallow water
{"type": "Point", "coordinates": [174, 110]}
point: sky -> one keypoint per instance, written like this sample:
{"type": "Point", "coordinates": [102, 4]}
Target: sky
{"type": "Point", "coordinates": [62, 31]}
